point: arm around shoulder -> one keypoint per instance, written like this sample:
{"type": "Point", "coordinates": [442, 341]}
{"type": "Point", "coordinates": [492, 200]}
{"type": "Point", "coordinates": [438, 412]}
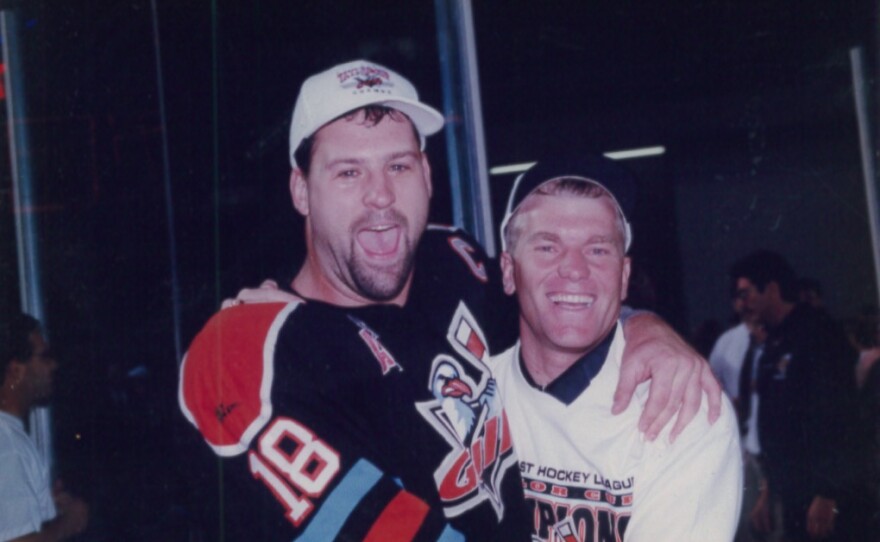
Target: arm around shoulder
{"type": "Point", "coordinates": [678, 374]}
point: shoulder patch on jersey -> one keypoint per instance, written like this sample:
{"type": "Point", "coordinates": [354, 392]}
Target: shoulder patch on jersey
{"type": "Point", "coordinates": [226, 375]}
{"type": "Point", "coordinates": [371, 339]}
{"type": "Point", "coordinates": [463, 245]}
{"type": "Point", "coordinates": [466, 251]}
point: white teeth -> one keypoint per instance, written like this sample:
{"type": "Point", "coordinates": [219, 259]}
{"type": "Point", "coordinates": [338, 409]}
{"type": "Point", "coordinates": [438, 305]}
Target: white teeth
{"type": "Point", "coordinates": [381, 228]}
{"type": "Point", "coordinates": [579, 299]}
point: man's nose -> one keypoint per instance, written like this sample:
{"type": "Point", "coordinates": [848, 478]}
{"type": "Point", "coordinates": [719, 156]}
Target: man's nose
{"type": "Point", "coordinates": [574, 265]}
{"type": "Point", "coordinates": [380, 191]}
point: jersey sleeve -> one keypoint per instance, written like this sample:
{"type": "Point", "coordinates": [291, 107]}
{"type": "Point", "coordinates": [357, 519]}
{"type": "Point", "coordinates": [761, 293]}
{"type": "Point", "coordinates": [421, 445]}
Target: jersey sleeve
{"type": "Point", "coordinates": [226, 375]}
{"type": "Point", "coordinates": [690, 490]}
{"type": "Point", "coordinates": [297, 463]}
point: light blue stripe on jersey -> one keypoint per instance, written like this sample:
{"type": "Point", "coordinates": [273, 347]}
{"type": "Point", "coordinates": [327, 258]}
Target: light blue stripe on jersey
{"type": "Point", "coordinates": [450, 535]}
{"type": "Point", "coordinates": [341, 502]}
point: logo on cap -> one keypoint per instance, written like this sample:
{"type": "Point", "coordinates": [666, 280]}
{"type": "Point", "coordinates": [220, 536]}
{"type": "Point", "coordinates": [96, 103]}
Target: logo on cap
{"type": "Point", "coordinates": [365, 79]}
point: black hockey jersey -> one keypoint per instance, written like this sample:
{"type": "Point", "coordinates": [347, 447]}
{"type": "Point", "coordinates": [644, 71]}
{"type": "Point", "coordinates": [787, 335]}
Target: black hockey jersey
{"type": "Point", "coordinates": [373, 423]}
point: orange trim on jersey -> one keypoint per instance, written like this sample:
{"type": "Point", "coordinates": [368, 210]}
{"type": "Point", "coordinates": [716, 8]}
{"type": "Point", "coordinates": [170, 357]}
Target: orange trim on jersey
{"type": "Point", "coordinates": [226, 377]}
{"type": "Point", "coordinates": [400, 520]}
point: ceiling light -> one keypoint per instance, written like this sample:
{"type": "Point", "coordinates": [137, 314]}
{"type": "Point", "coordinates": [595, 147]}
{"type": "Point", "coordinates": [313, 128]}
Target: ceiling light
{"type": "Point", "coordinates": [512, 168]}
{"type": "Point", "coordinates": [636, 153]}
{"type": "Point", "coordinates": [614, 155]}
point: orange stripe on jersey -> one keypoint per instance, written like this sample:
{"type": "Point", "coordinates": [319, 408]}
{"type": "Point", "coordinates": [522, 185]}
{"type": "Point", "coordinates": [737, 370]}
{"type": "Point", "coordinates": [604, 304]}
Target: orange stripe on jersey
{"type": "Point", "coordinates": [400, 521]}
{"type": "Point", "coordinates": [226, 375]}
{"type": "Point", "coordinates": [476, 346]}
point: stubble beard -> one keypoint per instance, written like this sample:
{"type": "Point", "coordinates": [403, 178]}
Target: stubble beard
{"type": "Point", "coordinates": [380, 284]}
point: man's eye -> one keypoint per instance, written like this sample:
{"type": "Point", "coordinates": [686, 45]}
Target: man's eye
{"type": "Point", "coordinates": [599, 251]}
{"type": "Point", "coordinates": [545, 248]}
{"type": "Point", "coordinates": [348, 173]}
{"type": "Point", "coordinates": [399, 167]}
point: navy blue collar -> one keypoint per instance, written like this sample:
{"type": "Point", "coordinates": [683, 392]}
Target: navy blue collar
{"type": "Point", "coordinates": [573, 381]}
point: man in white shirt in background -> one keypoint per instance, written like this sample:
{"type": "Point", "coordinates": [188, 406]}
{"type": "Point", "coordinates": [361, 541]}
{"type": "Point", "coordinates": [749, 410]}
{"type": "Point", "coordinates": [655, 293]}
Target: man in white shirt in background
{"type": "Point", "coordinates": [760, 521]}
{"type": "Point", "coordinates": [30, 511]}
{"type": "Point", "coordinates": [728, 360]}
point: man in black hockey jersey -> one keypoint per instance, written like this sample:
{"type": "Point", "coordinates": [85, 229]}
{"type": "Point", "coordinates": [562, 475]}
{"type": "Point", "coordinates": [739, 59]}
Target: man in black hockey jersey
{"type": "Point", "coordinates": [368, 412]}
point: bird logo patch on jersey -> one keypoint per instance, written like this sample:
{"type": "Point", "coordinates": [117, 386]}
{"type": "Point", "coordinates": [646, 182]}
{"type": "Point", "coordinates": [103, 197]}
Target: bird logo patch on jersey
{"type": "Point", "coordinates": [371, 338]}
{"type": "Point", "coordinates": [466, 410]}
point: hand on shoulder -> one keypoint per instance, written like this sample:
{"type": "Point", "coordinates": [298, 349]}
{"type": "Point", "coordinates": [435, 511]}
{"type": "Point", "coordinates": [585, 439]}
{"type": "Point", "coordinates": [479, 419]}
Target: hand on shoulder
{"type": "Point", "coordinates": [267, 292]}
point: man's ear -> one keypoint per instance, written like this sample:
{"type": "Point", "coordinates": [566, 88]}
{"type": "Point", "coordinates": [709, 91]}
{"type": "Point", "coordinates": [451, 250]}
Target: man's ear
{"type": "Point", "coordinates": [624, 278]}
{"type": "Point", "coordinates": [15, 370]}
{"type": "Point", "coordinates": [426, 167]}
{"type": "Point", "coordinates": [508, 274]}
{"type": "Point", "coordinates": [299, 191]}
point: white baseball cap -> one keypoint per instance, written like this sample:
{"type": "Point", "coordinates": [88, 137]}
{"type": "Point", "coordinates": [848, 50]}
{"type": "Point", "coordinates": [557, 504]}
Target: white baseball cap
{"type": "Point", "coordinates": [346, 87]}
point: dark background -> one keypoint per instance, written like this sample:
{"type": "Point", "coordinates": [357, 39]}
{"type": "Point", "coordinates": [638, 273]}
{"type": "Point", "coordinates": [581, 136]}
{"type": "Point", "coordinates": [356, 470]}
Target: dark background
{"type": "Point", "coordinates": [753, 103]}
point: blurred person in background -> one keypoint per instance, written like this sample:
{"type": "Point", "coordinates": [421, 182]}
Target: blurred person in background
{"type": "Point", "coordinates": [813, 449]}
{"type": "Point", "coordinates": [810, 292]}
{"type": "Point", "coordinates": [727, 355]}
{"type": "Point", "coordinates": [732, 360]}
{"type": "Point", "coordinates": [864, 334]}
{"type": "Point", "coordinates": [30, 510]}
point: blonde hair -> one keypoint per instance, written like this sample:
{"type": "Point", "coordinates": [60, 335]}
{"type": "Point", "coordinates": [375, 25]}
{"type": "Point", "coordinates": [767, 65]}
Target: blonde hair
{"type": "Point", "coordinates": [566, 186]}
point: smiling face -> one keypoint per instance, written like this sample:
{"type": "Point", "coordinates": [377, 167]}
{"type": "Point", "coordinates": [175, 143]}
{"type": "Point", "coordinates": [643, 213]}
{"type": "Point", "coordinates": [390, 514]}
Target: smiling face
{"type": "Point", "coordinates": [569, 272]}
{"type": "Point", "coordinates": [366, 205]}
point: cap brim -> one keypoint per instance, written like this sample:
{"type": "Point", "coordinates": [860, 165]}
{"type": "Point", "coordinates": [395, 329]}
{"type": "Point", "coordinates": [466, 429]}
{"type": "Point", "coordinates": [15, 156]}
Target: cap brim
{"type": "Point", "coordinates": [428, 120]}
